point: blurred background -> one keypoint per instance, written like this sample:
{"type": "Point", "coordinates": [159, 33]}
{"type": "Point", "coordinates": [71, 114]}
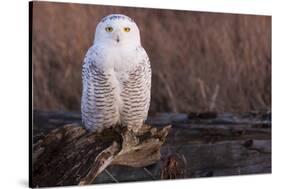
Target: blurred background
{"type": "Point", "coordinates": [200, 61]}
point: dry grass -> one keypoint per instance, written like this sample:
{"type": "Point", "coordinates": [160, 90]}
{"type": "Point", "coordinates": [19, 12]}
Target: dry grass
{"type": "Point", "coordinates": [200, 61]}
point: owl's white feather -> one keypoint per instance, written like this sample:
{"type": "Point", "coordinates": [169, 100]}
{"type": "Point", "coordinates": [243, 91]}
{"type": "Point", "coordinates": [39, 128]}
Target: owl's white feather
{"type": "Point", "coordinates": [116, 77]}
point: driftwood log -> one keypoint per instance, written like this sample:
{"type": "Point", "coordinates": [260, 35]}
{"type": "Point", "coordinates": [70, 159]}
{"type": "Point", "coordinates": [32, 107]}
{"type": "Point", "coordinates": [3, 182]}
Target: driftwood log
{"type": "Point", "coordinates": [70, 155]}
{"type": "Point", "coordinates": [198, 145]}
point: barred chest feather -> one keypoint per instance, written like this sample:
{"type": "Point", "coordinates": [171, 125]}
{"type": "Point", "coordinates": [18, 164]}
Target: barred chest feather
{"type": "Point", "coordinates": [121, 65]}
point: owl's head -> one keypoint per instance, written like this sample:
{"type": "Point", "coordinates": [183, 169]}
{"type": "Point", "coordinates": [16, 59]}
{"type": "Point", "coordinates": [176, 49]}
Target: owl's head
{"type": "Point", "coordinates": [117, 29]}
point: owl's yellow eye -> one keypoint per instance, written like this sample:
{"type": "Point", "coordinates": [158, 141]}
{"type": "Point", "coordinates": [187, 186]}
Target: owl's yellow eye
{"type": "Point", "coordinates": [109, 29]}
{"type": "Point", "coordinates": [127, 29]}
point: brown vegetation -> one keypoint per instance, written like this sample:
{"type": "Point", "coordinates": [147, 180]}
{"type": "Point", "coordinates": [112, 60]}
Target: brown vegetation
{"type": "Point", "coordinates": [200, 61]}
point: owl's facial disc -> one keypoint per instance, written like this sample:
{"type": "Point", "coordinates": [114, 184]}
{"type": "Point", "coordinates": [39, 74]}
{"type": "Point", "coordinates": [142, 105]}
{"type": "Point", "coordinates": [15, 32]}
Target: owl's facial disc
{"type": "Point", "coordinates": [118, 30]}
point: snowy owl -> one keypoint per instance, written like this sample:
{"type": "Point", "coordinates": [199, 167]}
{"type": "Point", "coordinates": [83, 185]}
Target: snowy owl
{"type": "Point", "coordinates": [116, 77]}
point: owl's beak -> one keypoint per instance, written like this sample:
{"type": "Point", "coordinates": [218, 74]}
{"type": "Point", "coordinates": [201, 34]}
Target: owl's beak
{"type": "Point", "coordinates": [117, 39]}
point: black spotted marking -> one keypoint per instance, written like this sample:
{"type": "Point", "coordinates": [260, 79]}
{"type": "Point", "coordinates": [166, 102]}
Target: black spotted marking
{"type": "Point", "coordinates": [117, 17]}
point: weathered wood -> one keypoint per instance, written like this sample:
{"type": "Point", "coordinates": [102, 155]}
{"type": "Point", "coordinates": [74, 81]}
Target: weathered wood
{"type": "Point", "coordinates": [70, 155]}
{"type": "Point", "coordinates": [198, 145]}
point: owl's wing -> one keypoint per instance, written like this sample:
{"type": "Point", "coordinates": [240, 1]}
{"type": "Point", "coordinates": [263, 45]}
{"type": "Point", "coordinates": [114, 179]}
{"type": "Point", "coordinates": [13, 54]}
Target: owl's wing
{"type": "Point", "coordinates": [136, 93]}
{"type": "Point", "coordinates": [147, 84]}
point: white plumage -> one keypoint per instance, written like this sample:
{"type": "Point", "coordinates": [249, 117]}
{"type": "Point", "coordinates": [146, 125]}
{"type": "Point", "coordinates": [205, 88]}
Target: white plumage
{"type": "Point", "coordinates": [116, 77]}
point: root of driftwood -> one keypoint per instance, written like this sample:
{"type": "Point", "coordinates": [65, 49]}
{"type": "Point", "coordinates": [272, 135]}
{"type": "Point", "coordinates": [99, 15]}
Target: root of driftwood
{"type": "Point", "coordinates": [72, 156]}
